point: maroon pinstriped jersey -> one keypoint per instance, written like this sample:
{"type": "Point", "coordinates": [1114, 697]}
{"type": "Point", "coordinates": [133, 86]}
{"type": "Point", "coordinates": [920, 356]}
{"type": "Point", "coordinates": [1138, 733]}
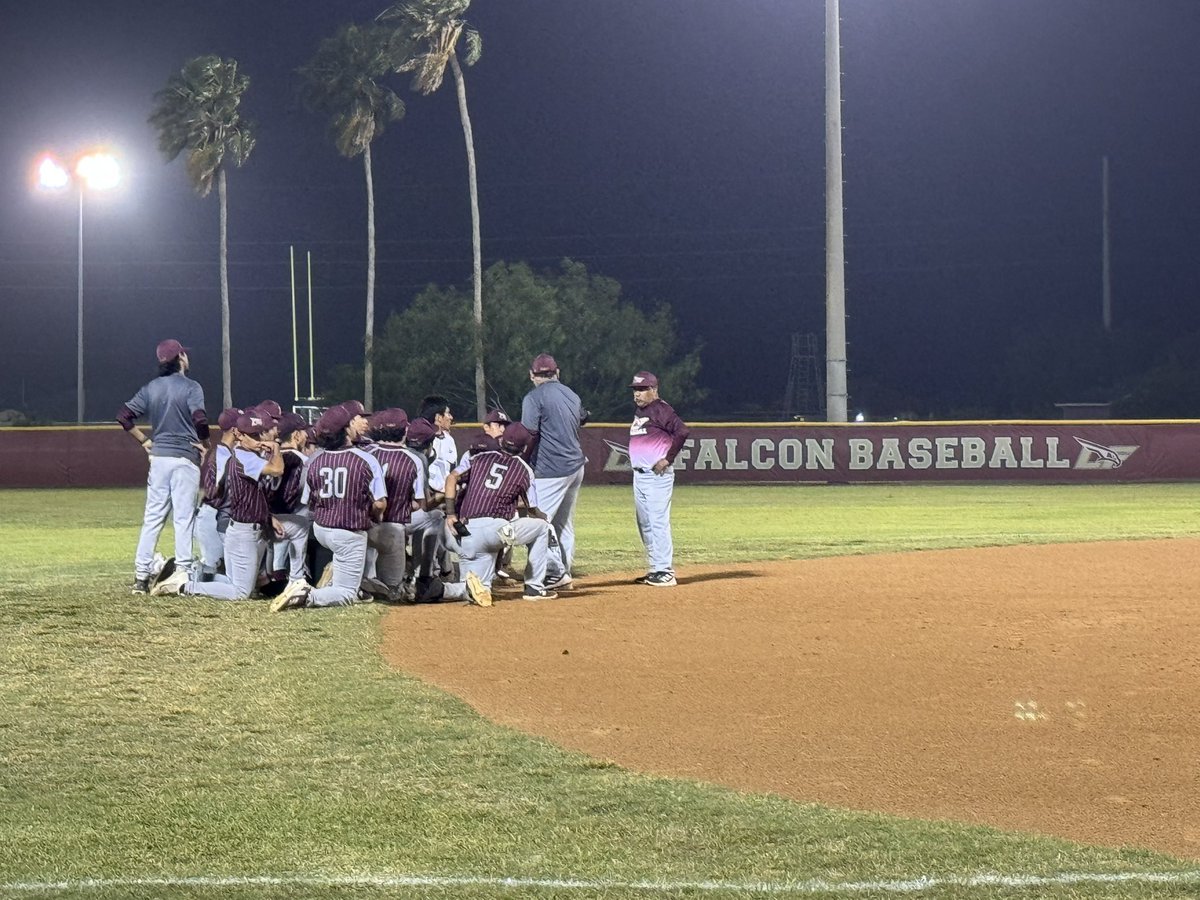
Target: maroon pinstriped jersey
{"type": "Point", "coordinates": [342, 485]}
{"type": "Point", "coordinates": [212, 470]}
{"type": "Point", "coordinates": [497, 481]}
{"type": "Point", "coordinates": [400, 474]}
{"type": "Point", "coordinates": [286, 496]}
{"type": "Point", "coordinates": [245, 489]}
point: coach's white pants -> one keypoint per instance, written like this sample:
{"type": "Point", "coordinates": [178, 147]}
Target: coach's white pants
{"type": "Point", "coordinates": [556, 497]}
{"type": "Point", "coordinates": [172, 488]}
{"type": "Point", "coordinates": [652, 506]}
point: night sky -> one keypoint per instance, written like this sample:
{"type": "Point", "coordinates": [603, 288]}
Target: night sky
{"type": "Point", "coordinates": [675, 145]}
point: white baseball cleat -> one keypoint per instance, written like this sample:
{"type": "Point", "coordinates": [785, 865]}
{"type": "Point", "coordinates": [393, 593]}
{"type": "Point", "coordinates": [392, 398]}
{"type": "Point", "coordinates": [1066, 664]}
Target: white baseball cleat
{"type": "Point", "coordinates": [294, 596]}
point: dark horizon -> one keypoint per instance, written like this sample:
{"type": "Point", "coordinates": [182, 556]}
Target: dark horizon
{"type": "Point", "coordinates": [675, 146]}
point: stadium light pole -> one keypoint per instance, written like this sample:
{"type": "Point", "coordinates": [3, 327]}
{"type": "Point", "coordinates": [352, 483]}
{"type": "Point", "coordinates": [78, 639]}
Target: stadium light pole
{"type": "Point", "coordinates": [95, 171]}
{"type": "Point", "coordinates": [835, 241]}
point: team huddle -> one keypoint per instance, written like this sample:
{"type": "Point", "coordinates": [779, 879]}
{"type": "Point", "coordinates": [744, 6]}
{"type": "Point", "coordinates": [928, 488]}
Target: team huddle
{"type": "Point", "coordinates": [379, 507]}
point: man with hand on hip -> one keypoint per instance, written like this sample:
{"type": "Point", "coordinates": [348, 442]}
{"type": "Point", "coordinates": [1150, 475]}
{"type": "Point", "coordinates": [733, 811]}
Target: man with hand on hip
{"type": "Point", "coordinates": [655, 438]}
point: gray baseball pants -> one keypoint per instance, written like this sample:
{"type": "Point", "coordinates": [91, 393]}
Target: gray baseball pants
{"type": "Point", "coordinates": [349, 549]}
{"type": "Point", "coordinates": [556, 497]}
{"type": "Point", "coordinates": [477, 551]}
{"type": "Point", "coordinates": [291, 551]}
{"type": "Point", "coordinates": [245, 546]}
{"type": "Point", "coordinates": [388, 540]}
{"type": "Point", "coordinates": [652, 506]}
{"type": "Point", "coordinates": [172, 488]}
{"type": "Point", "coordinates": [211, 541]}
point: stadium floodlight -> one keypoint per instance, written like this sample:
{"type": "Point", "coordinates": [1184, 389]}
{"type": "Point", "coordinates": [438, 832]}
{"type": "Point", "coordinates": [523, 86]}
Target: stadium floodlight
{"type": "Point", "coordinates": [97, 170]}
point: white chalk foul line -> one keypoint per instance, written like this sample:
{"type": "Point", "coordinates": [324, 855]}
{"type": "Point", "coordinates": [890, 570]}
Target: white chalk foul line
{"type": "Point", "coordinates": [812, 886]}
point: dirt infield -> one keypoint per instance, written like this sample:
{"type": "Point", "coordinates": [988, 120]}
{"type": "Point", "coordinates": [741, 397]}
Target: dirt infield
{"type": "Point", "coordinates": [1053, 689]}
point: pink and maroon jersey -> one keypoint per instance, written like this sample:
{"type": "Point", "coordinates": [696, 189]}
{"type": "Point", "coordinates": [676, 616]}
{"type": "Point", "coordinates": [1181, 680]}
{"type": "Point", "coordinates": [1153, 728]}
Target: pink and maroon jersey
{"type": "Point", "coordinates": [288, 492]}
{"type": "Point", "coordinates": [497, 481]}
{"type": "Point", "coordinates": [342, 485]}
{"type": "Point", "coordinates": [404, 478]}
{"type": "Point", "coordinates": [245, 488]}
{"type": "Point", "coordinates": [656, 433]}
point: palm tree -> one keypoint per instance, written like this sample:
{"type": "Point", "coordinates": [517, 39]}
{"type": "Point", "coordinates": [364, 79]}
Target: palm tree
{"type": "Point", "coordinates": [197, 114]}
{"type": "Point", "coordinates": [340, 81]}
{"type": "Point", "coordinates": [435, 28]}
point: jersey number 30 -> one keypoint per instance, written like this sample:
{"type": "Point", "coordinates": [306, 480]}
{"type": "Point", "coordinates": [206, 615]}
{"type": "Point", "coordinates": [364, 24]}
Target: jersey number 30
{"type": "Point", "coordinates": [333, 482]}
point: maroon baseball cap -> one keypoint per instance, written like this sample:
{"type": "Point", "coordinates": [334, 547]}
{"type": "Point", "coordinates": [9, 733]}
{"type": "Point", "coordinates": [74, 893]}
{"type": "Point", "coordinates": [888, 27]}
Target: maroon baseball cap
{"type": "Point", "coordinates": [255, 423]}
{"type": "Point", "coordinates": [644, 380]}
{"type": "Point", "coordinates": [270, 407]}
{"type": "Point", "coordinates": [169, 349]}
{"type": "Point", "coordinates": [228, 418]}
{"type": "Point", "coordinates": [543, 364]}
{"type": "Point", "coordinates": [482, 443]}
{"type": "Point", "coordinates": [420, 434]}
{"type": "Point", "coordinates": [516, 438]}
{"type": "Point", "coordinates": [496, 417]}
{"type": "Point", "coordinates": [355, 408]}
{"type": "Point", "coordinates": [333, 420]}
{"type": "Point", "coordinates": [290, 423]}
{"type": "Point", "coordinates": [393, 417]}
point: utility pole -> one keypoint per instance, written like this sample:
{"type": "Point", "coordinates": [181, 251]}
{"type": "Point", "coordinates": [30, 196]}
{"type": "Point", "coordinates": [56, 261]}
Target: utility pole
{"type": "Point", "coordinates": [835, 246]}
{"type": "Point", "coordinates": [1106, 254]}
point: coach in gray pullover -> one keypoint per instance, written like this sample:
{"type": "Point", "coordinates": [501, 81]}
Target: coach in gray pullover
{"type": "Point", "coordinates": [554, 413]}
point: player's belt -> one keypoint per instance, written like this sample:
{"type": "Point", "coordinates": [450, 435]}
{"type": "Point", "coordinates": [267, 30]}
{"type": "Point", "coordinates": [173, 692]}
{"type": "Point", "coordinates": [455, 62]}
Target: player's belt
{"type": "Point", "coordinates": [643, 470]}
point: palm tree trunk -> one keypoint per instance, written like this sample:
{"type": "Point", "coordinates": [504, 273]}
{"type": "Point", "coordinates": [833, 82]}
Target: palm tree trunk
{"type": "Point", "coordinates": [369, 337]}
{"type": "Point", "coordinates": [476, 244]}
{"type": "Point", "coordinates": [226, 378]}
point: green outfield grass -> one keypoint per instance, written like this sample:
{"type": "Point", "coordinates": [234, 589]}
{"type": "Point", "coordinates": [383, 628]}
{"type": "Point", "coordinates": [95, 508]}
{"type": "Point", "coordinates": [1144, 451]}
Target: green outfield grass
{"type": "Point", "coordinates": [191, 739]}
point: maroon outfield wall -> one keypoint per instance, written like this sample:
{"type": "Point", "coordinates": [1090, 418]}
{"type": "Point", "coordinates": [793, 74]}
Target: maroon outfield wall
{"type": "Point", "coordinates": [1060, 451]}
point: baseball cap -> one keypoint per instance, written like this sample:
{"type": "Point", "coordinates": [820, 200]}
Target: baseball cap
{"type": "Point", "coordinates": [333, 420]}
{"type": "Point", "coordinates": [270, 407]}
{"type": "Point", "coordinates": [420, 434]}
{"type": "Point", "coordinates": [482, 443]}
{"type": "Point", "coordinates": [228, 418]}
{"type": "Point", "coordinates": [255, 423]}
{"type": "Point", "coordinates": [393, 417]}
{"type": "Point", "coordinates": [355, 408]}
{"type": "Point", "coordinates": [516, 438]}
{"type": "Point", "coordinates": [644, 380]}
{"type": "Point", "coordinates": [169, 349]}
{"type": "Point", "coordinates": [496, 417]}
{"type": "Point", "coordinates": [543, 364]}
{"type": "Point", "coordinates": [289, 423]}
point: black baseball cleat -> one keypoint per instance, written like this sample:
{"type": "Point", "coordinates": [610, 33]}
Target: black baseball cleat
{"type": "Point", "coordinates": [532, 593]}
{"type": "Point", "coordinates": [661, 579]}
{"type": "Point", "coordinates": [141, 586]}
{"type": "Point", "coordinates": [643, 579]}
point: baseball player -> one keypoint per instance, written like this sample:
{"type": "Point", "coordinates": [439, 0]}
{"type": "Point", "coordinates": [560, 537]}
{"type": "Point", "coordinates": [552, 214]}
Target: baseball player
{"type": "Point", "coordinates": [212, 520]}
{"type": "Point", "coordinates": [286, 501]}
{"type": "Point", "coordinates": [346, 493]}
{"type": "Point", "coordinates": [435, 409]}
{"type": "Point", "coordinates": [242, 485]}
{"type": "Point", "coordinates": [655, 438]}
{"type": "Point", "coordinates": [404, 476]}
{"type": "Point", "coordinates": [429, 518]}
{"type": "Point", "coordinates": [174, 404]}
{"type": "Point", "coordinates": [553, 413]}
{"type": "Point", "coordinates": [487, 520]}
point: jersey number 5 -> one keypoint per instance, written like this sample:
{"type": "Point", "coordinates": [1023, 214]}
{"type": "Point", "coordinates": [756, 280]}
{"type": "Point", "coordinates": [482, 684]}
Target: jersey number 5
{"type": "Point", "coordinates": [333, 483]}
{"type": "Point", "coordinates": [495, 476]}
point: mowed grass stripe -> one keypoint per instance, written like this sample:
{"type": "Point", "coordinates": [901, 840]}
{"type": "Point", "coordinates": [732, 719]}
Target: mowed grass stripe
{"type": "Point", "coordinates": [140, 737]}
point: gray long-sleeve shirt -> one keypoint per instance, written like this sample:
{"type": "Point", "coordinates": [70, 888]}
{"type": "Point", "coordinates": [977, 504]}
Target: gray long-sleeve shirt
{"type": "Point", "coordinates": [554, 412]}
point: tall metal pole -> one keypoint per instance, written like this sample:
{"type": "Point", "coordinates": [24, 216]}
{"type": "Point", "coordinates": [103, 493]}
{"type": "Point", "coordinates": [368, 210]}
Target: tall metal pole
{"type": "Point", "coordinates": [1106, 274]}
{"type": "Point", "coordinates": [79, 323]}
{"type": "Point", "coordinates": [835, 248]}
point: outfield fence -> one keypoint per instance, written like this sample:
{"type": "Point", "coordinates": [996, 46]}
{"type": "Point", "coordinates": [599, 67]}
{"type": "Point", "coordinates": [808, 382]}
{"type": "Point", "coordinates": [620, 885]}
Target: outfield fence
{"type": "Point", "coordinates": [1028, 451]}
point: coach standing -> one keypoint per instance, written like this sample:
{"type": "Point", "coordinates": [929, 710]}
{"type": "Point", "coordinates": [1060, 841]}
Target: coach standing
{"type": "Point", "coordinates": [655, 438]}
{"type": "Point", "coordinates": [174, 405]}
{"type": "Point", "coordinates": [553, 413]}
